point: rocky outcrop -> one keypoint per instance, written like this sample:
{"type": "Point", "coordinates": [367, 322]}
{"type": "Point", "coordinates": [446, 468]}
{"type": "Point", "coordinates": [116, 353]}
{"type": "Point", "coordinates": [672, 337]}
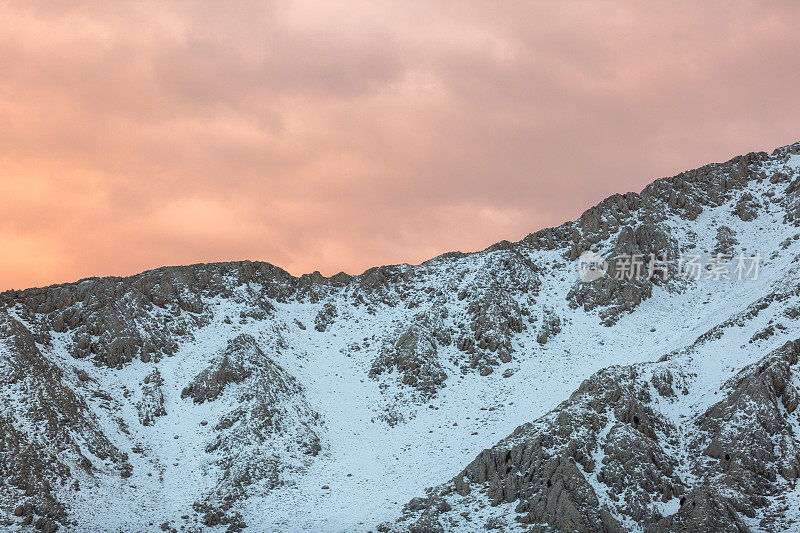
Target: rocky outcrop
{"type": "Point", "coordinates": [413, 354]}
{"type": "Point", "coordinates": [494, 318]}
{"type": "Point", "coordinates": [233, 365]}
{"type": "Point", "coordinates": [151, 406]}
{"type": "Point", "coordinates": [30, 477]}
{"type": "Point", "coordinates": [668, 384]}
{"type": "Point", "coordinates": [325, 317]}
{"type": "Point", "coordinates": [269, 429]}
{"type": "Point", "coordinates": [640, 258]}
{"type": "Point", "coordinates": [496, 307]}
{"type": "Point", "coordinates": [747, 207]}
{"type": "Point", "coordinates": [703, 511]}
{"type": "Point", "coordinates": [725, 242]}
{"type": "Point", "coordinates": [606, 435]}
{"type": "Point", "coordinates": [608, 457]}
{"type": "Point", "coordinates": [750, 433]}
{"type": "Point", "coordinates": [745, 450]}
{"type": "Point", "coordinates": [551, 326]}
{"type": "Point", "coordinates": [377, 281]}
{"type": "Point", "coordinates": [46, 431]}
{"type": "Point", "coordinates": [114, 320]}
{"type": "Point", "coordinates": [686, 194]}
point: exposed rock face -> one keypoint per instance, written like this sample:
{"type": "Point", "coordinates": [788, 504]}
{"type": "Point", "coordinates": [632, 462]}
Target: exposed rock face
{"type": "Point", "coordinates": [551, 326]}
{"type": "Point", "coordinates": [751, 432]}
{"type": "Point", "coordinates": [606, 457]}
{"type": "Point", "coordinates": [36, 465]}
{"type": "Point", "coordinates": [269, 429]}
{"type": "Point", "coordinates": [667, 384]}
{"type": "Point", "coordinates": [646, 241]}
{"type": "Point", "coordinates": [613, 296]}
{"type": "Point", "coordinates": [747, 207]}
{"type": "Point", "coordinates": [115, 320]}
{"type": "Point", "coordinates": [497, 308]}
{"type": "Point", "coordinates": [544, 465]}
{"type": "Point", "coordinates": [151, 406]}
{"type": "Point", "coordinates": [702, 511]}
{"type": "Point", "coordinates": [725, 242]}
{"type": "Point", "coordinates": [494, 319]}
{"type": "Point", "coordinates": [414, 354]}
{"type": "Point", "coordinates": [234, 365]}
{"type": "Point", "coordinates": [325, 317]}
{"type": "Point", "coordinates": [639, 259]}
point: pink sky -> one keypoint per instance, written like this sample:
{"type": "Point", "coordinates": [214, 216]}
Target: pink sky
{"type": "Point", "coordinates": [343, 135]}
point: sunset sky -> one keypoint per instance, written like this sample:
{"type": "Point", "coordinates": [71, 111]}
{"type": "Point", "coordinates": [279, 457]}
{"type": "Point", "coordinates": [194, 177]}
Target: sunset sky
{"type": "Point", "coordinates": [343, 135]}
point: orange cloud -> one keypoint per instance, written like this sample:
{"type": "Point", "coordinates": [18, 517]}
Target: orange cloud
{"type": "Point", "coordinates": [340, 136]}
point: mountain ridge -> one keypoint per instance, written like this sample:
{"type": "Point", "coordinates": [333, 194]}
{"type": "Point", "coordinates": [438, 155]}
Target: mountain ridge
{"type": "Point", "coordinates": [218, 395]}
{"type": "Point", "coordinates": [341, 275]}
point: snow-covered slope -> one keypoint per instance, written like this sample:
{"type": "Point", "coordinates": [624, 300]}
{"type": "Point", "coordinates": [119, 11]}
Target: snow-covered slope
{"type": "Point", "coordinates": [222, 395]}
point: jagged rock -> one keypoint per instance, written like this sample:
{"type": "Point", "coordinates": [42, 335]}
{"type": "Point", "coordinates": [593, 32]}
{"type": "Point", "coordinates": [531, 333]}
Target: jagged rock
{"type": "Point", "coordinates": [543, 465]}
{"type": "Point", "coordinates": [269, 431]}
{"type": "Point", "coordinates": [376, 281]}
{"type": "Point", "coordinates": [610, 437]}
{"type": "Point", "coordinates": [34, 464]}
{"type": "Point", "coordinates": [151, 406]}
{"type": "Point", "coordinates": [778, 177]}
{"type": "Point", "coordinates": [494, 318]}
{"type": "Point", "coordinates": [640, 258]}
{"type": "Point", "coordinates": [747, 207]}
{"type": "Point", "coordinates": [325, 317]}
{"type": "Point", "coordinates": [663, 382]}
{"type": "Point", "coordinates": [725, 242]}
{"type": "Point", "coordinates": [145, 313]}
{"type": "Point", "coordinates": [551, 326]}
{"type": "Point", "coordinates": [233, 365]}
{"type": "Point", "coordinates": [704, 512]}
{"type": "Point", "coordinates": [646, 241]}
{"type": "Point", "coordinates": [748, 431]}
{"type": "Point", "coordinates": [414, 354]}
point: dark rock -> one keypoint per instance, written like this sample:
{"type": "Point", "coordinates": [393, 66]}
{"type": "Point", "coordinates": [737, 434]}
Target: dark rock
{"type": "Point", "coordinates": [151, 406]}
{"type": "Point", "coordinates": [414, 355]}
{"type": "Point", "coordinates": [325, 317]}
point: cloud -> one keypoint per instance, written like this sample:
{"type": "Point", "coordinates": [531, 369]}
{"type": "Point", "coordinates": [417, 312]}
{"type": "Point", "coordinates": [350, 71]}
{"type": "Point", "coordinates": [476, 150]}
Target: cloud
{"type": "Point", "coordinates": [337, 136]}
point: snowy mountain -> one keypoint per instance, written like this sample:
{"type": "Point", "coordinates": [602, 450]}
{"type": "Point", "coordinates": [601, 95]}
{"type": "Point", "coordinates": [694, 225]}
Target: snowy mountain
{"type": "Point", "coordinates": [504, 389]}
